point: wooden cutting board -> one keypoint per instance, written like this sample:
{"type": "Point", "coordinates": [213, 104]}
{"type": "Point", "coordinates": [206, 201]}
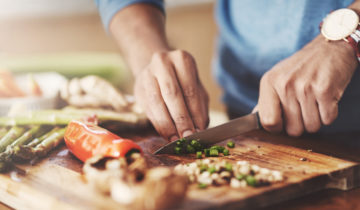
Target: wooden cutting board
{"type": "Point", "coordinates": [56, 182]}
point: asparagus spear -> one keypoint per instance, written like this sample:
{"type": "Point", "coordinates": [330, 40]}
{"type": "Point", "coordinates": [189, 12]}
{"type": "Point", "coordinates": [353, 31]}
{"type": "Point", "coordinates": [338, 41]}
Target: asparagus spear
{"type": "Point", "coordinates": [36, 141]}
{"type": "Point", "coordinates": [3, 131]}
{"type": "Point", "coordinates": [45, 144]}
{"type": "Point", "coordinates": [28, 136]}
{"type": "Point", "coordinates": [14, 133]}
{"type": "Point", "coordinates": [63, 117]}
{"type": "Point", "coordinates": [50, 143]}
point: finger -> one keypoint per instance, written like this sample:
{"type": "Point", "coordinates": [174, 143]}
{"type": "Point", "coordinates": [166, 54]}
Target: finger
{"type": "Point", "coordinates": [310, 113]}
{"type": "Point", "coordinates": [269, 108]}
{"type": "Point", "coordinates": [328, 111]}
{"type": "Point", "coordinates": [194, 94]}
{"type": "Point", "coordinates": [156, 109]}
{"type": "Point", "coordinates": [173, 98]}
{"type": "Point", "coordinates": [293, 117]}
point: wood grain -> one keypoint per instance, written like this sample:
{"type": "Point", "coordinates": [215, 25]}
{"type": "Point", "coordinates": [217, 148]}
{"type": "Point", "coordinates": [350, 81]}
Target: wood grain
{"type": "Point", "coordinates": [56, 182]}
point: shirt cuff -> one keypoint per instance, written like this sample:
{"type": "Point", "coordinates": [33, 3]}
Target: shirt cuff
{"type": "Point", "coordinates": [108, 8]}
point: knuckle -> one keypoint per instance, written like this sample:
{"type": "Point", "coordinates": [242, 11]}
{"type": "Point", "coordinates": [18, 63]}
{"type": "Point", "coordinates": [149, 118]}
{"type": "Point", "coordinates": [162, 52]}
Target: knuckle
{"type": "Point", "coordinates": [284, 85]}
{"type": "Point", "coordinates": [170, 90]}
{"type": "Point", "coordinates": [159, 56]}
{"type": "Point", "coordinates": [182, 54]}
{"type": "Point", "coordinates": [303, 89]}
{"type": "Point", "coordinates": [190, 91]}
{"type": "Point", "coordinates": [154, 96]}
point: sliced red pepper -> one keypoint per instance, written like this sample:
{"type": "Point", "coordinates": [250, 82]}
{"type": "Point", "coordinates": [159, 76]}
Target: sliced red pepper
{"type": "Point", "coordinates": [86, 140]}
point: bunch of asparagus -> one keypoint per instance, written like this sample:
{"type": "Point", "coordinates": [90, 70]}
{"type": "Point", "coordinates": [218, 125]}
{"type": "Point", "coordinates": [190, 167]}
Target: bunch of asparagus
{"type": "Point", "coordinates": [33, 134]}
{"type": "Point", "coordinates": [27, 142]}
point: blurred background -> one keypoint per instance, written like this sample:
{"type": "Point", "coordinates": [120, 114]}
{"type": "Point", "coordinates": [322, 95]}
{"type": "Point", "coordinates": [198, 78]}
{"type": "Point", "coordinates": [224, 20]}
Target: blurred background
{"type": "Point", "coordinates": [67, 36]}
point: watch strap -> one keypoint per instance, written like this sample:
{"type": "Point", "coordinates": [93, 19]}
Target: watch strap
{"type": "Point", "coordinates": [354, 41]}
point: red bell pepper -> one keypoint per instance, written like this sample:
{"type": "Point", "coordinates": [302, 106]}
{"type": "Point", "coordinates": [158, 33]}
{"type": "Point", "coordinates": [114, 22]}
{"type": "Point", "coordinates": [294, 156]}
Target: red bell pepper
{"type": "Point", "coordinates": [86, 140]}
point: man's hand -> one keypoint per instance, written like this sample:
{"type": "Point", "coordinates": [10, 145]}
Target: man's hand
{"type": "Point", "coordinates": [167, 85]}
{"type": "Point", "coordinates": [302, 92]}
{"type": "Point", "coordinates": [172, 95]}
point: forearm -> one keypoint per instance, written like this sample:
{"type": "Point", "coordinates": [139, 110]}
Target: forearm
{"type": "Point", "coordinates": [140, 32]}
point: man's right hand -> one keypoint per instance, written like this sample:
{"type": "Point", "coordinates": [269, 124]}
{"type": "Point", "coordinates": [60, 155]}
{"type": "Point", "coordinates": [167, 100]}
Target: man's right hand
{"type": "Point", "coordinates": [170, 92]}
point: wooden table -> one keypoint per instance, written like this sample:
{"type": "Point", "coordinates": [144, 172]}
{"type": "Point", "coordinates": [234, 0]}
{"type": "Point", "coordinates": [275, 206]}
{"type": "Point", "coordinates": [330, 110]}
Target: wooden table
{"type": "Point", "coordinates": [341, 146]}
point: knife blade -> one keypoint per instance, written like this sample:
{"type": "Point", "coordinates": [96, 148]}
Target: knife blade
{"type": "Point", "coordinates": [219, 133]}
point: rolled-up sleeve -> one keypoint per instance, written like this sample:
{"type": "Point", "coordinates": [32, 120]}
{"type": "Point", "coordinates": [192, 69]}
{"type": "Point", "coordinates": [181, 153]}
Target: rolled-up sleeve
{"type": "Point", "coordinates": [108, 8]}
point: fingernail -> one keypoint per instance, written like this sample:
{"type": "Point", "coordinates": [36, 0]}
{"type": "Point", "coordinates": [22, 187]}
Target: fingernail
{"type": "Point", "coordinates": [173, 138]}
{"type": "Point", "coordinates": [187, 133]}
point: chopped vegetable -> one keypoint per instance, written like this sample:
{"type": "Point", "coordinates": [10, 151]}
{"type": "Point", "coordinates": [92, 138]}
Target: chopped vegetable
{"type": "Point", "coordinates": [226, 152]}
{"type": "Point", "coordinates": [228, 166]}
{"type": "Point", "coordinates": [202, 185]}
{"type": "Point", "coordinates": [190, 149]}
{"type": "Point", "coordinates": [199, 154]}
{"type": "Point", "coordinates": [250, 180]}
{"type": "Point", "coordinates": [88, 140]}
{"type": "Point", "coordinates": [220, 172]}
{"type": "Point", "coordinates": [214, 153]}
{"type": "Point", "coordinates": [177, 150]}
{"type": "Point", "coordinates": [207, 152]}
{"type": "Point", "coordinates": [212, 169]}
{"type": "Point", "coordinates": [230, 144]}
{"type": "Point", "coordinates": [203, 167]}
{"type": "Point", "coordinates": [240, 177]}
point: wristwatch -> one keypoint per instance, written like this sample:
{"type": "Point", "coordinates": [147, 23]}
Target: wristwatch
{"type": "Point", "coordinates": [342, 24]}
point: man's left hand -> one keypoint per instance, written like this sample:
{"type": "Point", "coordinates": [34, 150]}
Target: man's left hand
{"type": "Point", "coordinates": [302, 92]}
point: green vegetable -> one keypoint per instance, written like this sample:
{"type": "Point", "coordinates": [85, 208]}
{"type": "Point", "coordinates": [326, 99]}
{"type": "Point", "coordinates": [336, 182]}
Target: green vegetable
{"type": "Point", "coordinates": [240, 177]}
{"type": "Point", "coordinates": [214, 153]}
{"type": "Point", "coordinates": [207, 152]}
{"type": "Point", "coordinates": [202, 186]}
{"type": "Point", "coordinates": [228, 167]}
{"type": "Point", "coordinates": [203, 168]}
{"type": "Point", "coordinates": [226, 152]}
{"type": "Point", "coordinates": [178, 143]}
{"type": "Point", "coordinates": [230, 144]}
{"type": "Point", "coordinates": [177, 150]}
{"type": "Point", "coordinates": [220, 149]}
{"type": "Point", "coordinates": [199, 154]}
{"type": "Point", "coordinates": [14, 133]}
{"type": "Point", "coordinates": [212, 169]}
{"type": "Point", "coordinates": [190, 149]}
{"type": "Point", "coordinates": [250, 180]}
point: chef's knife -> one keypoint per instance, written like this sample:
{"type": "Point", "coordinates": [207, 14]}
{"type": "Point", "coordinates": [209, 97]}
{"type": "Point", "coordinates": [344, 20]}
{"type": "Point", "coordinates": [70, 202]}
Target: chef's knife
{"type": "Point", "coordinates": [219, 133]}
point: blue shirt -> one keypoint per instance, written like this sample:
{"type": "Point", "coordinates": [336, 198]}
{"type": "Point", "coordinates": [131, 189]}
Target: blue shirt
{"type": "Point", "coordinates": [254, 35]}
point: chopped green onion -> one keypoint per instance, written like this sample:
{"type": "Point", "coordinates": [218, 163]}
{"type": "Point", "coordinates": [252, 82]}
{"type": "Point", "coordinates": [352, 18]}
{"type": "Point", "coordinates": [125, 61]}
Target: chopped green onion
{"type": "Point", "coordinates": [202, 185]}
{"type": "Point", "coordinates": [203, 168]}
{"type": "Point", "coordinates": [220, 149]}
{"type": "Point", "coordinates": [250, 180]}
{"type": "Point", "coordinates": [214, 153]}
{"type": "Point", "coordinates": [226, 152]}
{"type": "Point", "coordinates": [228, 167]}
{"type": "Point", "coordinates": [207, 152]}
{"type": "Point", "coordinates": [179, 143]}
{"type": "Point", "coordinates": [230, 144]}
{"type": "Point", "coordinates": [190, 149]}
{"type": "Point", "coordinates": [199, 154]}
{"type": "Point", "coordinates": [177, 150]}
{"type": "Point", "coordinates": [240, 177]}
{"type": "Point", "coordinates": [212, 169]}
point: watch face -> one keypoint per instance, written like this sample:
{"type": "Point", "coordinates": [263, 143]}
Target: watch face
{"type": "Point", "coordinates": [340, 24]}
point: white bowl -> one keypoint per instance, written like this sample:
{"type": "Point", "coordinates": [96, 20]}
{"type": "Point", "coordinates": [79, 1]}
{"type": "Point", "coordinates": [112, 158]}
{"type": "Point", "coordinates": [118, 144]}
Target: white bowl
{"type": "Point", "coordinates": [50, 84]}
